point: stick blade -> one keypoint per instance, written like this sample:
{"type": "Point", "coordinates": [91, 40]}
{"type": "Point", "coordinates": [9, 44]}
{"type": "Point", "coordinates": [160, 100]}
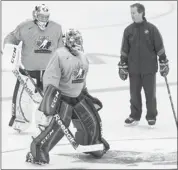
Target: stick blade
{"type": "Point", "coordinates": [89, 148]}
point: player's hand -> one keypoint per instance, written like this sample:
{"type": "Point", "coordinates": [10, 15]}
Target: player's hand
{"type": "Point", "coordinates": [164, 67]}
{"type": "Point", "coordinates": [123, 70]}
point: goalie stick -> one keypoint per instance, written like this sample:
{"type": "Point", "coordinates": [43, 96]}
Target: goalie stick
{"type": "Point", "coordinates": [79, 148]}
{"type": "Point", "coordinates": [24, 84]}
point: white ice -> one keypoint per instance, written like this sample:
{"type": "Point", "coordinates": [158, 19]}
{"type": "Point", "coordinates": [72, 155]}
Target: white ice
{"type": "Point", "coordinates": [131, 147]}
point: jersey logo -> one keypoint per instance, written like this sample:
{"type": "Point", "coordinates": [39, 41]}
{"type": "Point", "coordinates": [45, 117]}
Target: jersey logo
{"type": "Point", "coordinates": [43, 44]}
{"type": "Point", "coordinates": [146, 31]}
{"type": "Point", "coordinates": [79, 75]}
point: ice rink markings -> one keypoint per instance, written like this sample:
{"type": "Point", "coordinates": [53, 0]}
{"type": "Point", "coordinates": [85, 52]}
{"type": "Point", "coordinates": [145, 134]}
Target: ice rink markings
{"type": "Point", "coordinates": [117, 140]}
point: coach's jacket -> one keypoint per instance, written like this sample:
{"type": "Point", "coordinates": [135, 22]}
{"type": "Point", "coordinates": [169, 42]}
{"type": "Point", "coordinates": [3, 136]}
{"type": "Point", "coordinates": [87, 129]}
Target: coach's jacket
{"type": "Point", "coordinates": [141, 45]}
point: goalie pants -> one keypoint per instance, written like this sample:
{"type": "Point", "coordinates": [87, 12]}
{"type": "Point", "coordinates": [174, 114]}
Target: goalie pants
{"type": "Point", "coordinates": [36, 74]}
{"type": "Point", "coordinates": [148, 82]}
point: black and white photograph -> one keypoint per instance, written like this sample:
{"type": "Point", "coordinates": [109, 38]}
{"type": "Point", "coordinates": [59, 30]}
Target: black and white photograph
{"type": "Point", "coordinates": [89, 85]}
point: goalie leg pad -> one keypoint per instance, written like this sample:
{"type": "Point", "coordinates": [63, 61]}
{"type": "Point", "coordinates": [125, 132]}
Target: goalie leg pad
{"type": "Point", "coordinates": [81, 135]}
{"type": "Point", "coordinates": [96, 102]}
{"type": "Point", "coordinates": [47, 139]}
{"type": "Point", "coordinates": [89, 123]}
{"type": "Point", "coordinates": [98, 154]}
{"type": "Point", "coordinates": [51, 100]}
{"type": "Point", "coordinates": [22, 108]}
{"type": "Point", "coordinates": [17, 85]}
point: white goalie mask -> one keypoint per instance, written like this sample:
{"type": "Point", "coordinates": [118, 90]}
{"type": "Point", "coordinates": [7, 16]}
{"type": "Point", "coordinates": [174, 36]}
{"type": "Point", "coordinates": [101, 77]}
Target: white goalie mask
{"type": "Point", "coordinates": [73, 40]}
{"type": "Point", "coordinates": [41, 16]}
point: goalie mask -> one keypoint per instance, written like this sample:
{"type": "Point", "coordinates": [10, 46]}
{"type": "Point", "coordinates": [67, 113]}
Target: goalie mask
{"type": "Point", "coordinates": [73, 40]}
{"type": "Point", "coordinates": [41, 16]}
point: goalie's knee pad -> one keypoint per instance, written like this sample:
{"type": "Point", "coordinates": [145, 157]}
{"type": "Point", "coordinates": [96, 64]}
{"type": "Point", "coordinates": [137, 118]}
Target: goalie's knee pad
{"type": "Point", "coordinates": [22, 108]}
{"type": "Point", "coordinates": [50, 136]}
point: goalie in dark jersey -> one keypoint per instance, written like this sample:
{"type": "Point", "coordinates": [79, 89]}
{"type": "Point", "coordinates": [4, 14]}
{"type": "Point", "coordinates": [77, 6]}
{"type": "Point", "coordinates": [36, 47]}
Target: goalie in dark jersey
{"type": "Point", "coordinates": [65, 89]}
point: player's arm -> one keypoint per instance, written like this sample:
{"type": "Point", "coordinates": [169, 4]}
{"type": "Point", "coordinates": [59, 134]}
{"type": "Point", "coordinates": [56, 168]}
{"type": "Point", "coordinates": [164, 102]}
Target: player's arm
{"type": "Point", "coordinates": [159, 45]}
{"type": "Point", "coordinates": [160, 51]}
{"type": "Point", "coordinates": [88, 63]}
{"type": "Point", "coordinates": [123, 63]}
{"type": "Point", "coordinates": [60, 41]}
{"type": "Point", "coordinates": [52, 74]}
{"type": "Point", "coordinates": [10, 45]}
{"type": "Point", "coordinates": [13, 37]}
{"type": "Point", "coordinates": [125, 47]}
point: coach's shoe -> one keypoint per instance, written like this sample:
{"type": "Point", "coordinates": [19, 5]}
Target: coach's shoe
{"type": "Point", "coordinates": [151, 122]}
{"type": "Point", "coordinates": [131, 121]}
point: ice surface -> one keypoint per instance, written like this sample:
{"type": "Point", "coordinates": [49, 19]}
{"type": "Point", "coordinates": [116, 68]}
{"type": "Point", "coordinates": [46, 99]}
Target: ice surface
{"type": "Point", "coordinates": [131, 147]}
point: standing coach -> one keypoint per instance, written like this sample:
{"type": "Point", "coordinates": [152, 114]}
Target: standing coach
{"type": "Point", "coordinates": [142, 46]}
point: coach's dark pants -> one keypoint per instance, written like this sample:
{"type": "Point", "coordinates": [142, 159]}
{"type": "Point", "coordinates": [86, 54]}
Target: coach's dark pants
{"type": "Point", "coordinates": [148, 82]}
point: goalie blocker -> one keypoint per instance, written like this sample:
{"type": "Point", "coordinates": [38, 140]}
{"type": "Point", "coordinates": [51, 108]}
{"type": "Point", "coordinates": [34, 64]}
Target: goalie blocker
{"type": "Point", "coordinates": [83, 114]}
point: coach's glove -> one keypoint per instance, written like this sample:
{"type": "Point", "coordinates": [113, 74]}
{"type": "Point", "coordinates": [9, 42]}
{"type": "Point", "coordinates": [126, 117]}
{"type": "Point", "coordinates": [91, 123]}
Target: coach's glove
{"type": "Point", "coordinates": [164, 67]}
{"type": "Point", "coordinates": [123, 70]}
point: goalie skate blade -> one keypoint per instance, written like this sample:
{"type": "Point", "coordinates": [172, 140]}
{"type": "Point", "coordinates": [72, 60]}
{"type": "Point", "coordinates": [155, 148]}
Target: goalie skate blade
{"type": "Point", "coordinates": [90, 148]}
